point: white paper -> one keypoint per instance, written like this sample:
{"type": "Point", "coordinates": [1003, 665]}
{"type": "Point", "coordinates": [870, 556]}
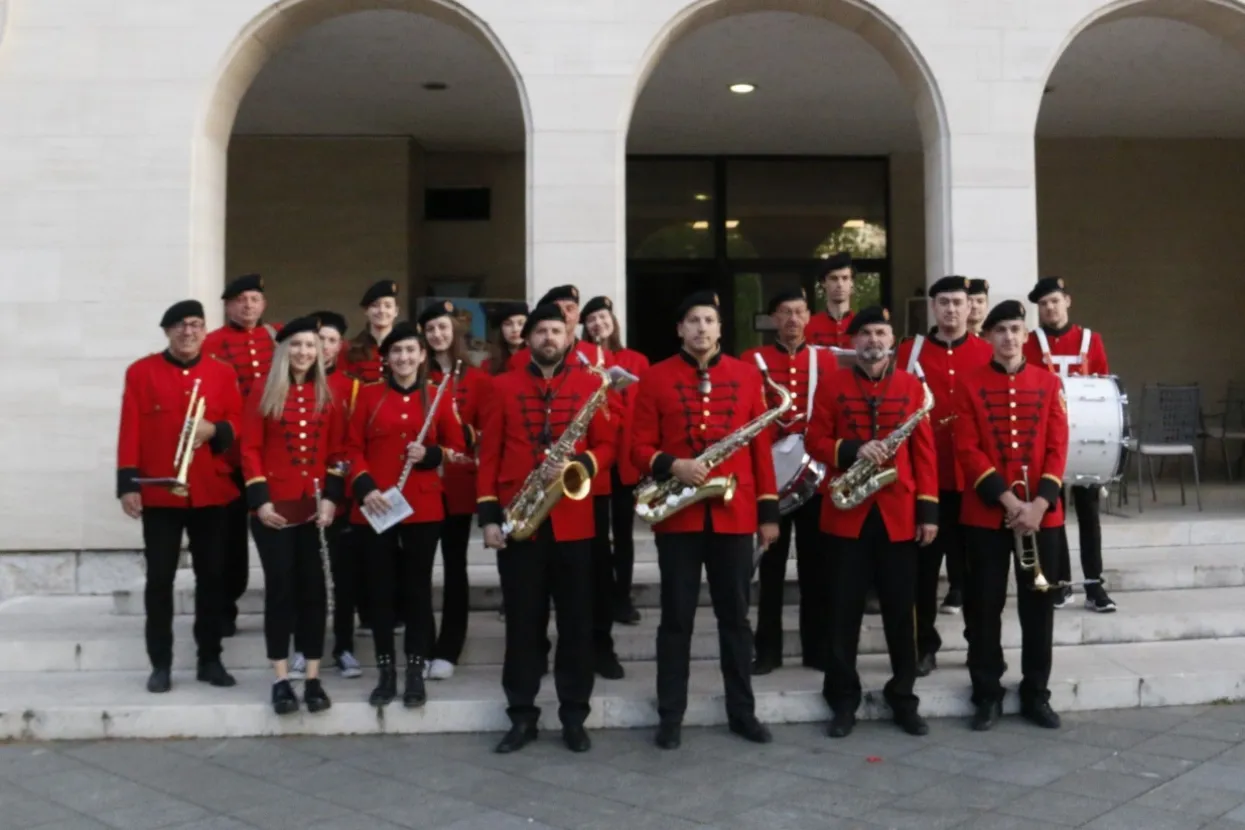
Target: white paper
{"type": "Point", "coordinates": [398, 510]}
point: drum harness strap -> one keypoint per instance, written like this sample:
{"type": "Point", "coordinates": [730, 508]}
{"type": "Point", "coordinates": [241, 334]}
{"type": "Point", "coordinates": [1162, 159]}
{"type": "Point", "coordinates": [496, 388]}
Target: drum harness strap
{"type": "Point", "coordinates": [918, 343]}
{"type": "Point", "coordinates": [1064, 361]}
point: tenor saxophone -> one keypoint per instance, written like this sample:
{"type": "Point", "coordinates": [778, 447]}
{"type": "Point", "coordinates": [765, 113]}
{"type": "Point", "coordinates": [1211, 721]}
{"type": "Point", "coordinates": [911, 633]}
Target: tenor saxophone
{"type": "Point", "coordinates": [864, 478]}
{"type": "Point", "coordinates": [657, 501]}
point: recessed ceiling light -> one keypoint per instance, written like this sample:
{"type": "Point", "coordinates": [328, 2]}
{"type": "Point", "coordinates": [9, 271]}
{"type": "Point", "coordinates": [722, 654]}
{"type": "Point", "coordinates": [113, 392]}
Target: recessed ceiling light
{"type": "Point", "coordinates": [732, 223]}
{"type": "Point", "coordinates": [436, 86]}
{"type": "Point", "coordinates": [854, 223]}
{"type": "Point", "coordinates": [700, 226]}
{"type": "Point", "coordinates": [701, 197]}
{"type": "Point", "coordinates": [742, 89]}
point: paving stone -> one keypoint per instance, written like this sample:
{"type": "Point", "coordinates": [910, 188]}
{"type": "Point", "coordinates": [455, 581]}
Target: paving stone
{"type": "Point", "coordinates": [1114, 787]}
{"type": "Point", "coordinates": [1021, 771]}
{"type": "Point", "coordinates": [962, 792]}
{"type": "Point", "coordinates": [1183, 746]}
{"type": "Point", "coordinates": [1184, 795]}
{"type": "Point", "coordinates": [1156, 768]}
{"type": "Point", "coordinates": [1135, 817]}
{"type": "Point", "coordinates": [1072, 810]}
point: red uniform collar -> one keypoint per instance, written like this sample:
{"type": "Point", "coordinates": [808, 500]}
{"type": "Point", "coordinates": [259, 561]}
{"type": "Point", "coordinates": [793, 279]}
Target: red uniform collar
{"type": "Point", "coordinates": [713, 360]}
{"type": "Point", "coordinates": [533, 368]}
{"type": "Point", "coordinates": [999, 367]}
{"type": "Point", "coordinates": [933, 335]}
{"type": "Point", "coordinates": [780, 347]}
{"type": "Point", "coordinates": [189, 364]}
{"type": "Point", "coordinates": [863, 375]}
{"type": "Point", "coordinates": [236, 327]}
{"type": "Point", "coordinates": [402, 390]}
{"type": "Point", "coordinates": [1050, 332]}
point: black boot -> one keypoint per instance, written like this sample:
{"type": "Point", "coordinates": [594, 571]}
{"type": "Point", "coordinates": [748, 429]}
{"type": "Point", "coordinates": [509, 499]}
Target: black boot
{"type": "Point", "coordinates": [670, 734]}
{"type": "Point", "coordinates": [414, 695]}
{"type": "Point", "coordinates": [841, 724]}
{"type": "Point", "coordinates": [986, 716]}
{"type": "Point", "coordinates": [749, 728]}
{"type": "Point", "coordinates": [315, 697]}
{"type": "Point", "coordinates": [519, 736]}
{"type": "Point", "coordinates": [1040, 714]}
{"type": "Point", "coordinates": [607, 665]}
{"type": "Point", "coordinates": [284, 701]}
{"type": "Point", "coordinates": [161, 681]}
{"type": "Point", "coordinates": [911, 722]}
{"type": "Point", "coordinates": [764, 664]}
{"type": "Point", "coordinates": [926, 665]}
{"type": "Point", "coordinates": [386, 684]}
{"type": "Point", "coordinates": [213, 673]}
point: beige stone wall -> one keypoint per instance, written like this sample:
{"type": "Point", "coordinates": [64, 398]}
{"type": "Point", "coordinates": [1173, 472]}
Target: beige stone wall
{"type": "Point", "coordinates": [907, 229]}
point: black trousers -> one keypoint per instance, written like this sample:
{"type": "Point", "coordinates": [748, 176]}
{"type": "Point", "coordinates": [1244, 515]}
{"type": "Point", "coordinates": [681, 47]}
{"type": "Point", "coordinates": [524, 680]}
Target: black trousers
{"type": "Point", "coordinates": [949, 544]}
{"type": "Point", "coordinates": [990, 554]}
{"type": "Point", "coordinates": [1089, 527]}
{"type": "Point", "coordinates": [726, 559]}
{"type": "Point", "coordinates": [622, 521]}
{"type": "Point", "coordinates": [294, 599]}
{"type": "Point", "coordinates": [602, 579]}
{"type": "Point", "coordinates": [455, 535]}
{"type": "Point", "coordinates": [892, 568]}
{"type": "Point", "coordinates": [531, 572]}
{"type": "Point", "coordinates": [162, 544]}
{"type": "Point", "coordinates": [345, 559]}
{"type": "Point", "coordinates": [236, 564]}
{"type": "Point", "coordinates": [812, 565]}
{"type": "Point", "coordinates": [400, 559]}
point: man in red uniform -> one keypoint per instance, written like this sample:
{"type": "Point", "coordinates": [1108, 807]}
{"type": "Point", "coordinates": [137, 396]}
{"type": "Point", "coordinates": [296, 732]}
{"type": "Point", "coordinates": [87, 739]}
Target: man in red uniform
{"type": "Point", "coordinates": [799, 368]}
{"type": "Point", "coordinates": [684, 405]}
{"type": "Point", "coordinates": [978, 304]}
{"type": "Point", "coordinates": [945, 356]}
{"type": "Point", "coordinates": [877, 540]}
{"type": "Point", "coordinates": [835, 276]}
{"type": "Point", "coordinates": [154, 410]}
{"type": "Point", "coordinates": [246, 343]}
{"type": "Point", "coordinates": [1072, 350]}
{"type": "Point", "coordinates": [1011, 426]}
{"type": "Point", "coordinates": [523, 417]}
{"type": "Point", "coordinates": [566, 297]}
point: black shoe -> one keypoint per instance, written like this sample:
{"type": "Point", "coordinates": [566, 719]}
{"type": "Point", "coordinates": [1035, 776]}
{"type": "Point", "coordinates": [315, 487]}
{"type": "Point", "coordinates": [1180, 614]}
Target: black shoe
{"type": "Point", "coordinates": [160, 681]}
{"type": "Point", "coordinates": [386, 687]}
{"type": "Point", "coordinates": [986, 716]}
{"type": "Point", "coordinates": [669, 734]}
{"type": "Point", "coordinates": [213, 672]}
{"type": "Point", "coordinates": [953, 603]}
{"type": "Point", "coordinates": [814, 664]}
{"type": "Point", "coordinates": [872, 605]}
{"type": "Point", "coordinates": [414, 695]}
{"type": "Point", "coordinates": [284, 701]}
{"type": "Point", "coordinates": [626, 614]}
{"type": "Point", "coordinates": [576, 737]}
{"type": "Point", "coordinates": [519, 736]}
{"type": "Point", "coordinates": [607, 666]}
{"type": "Point", "coordinates": [1096, 599]}
{"type": "Point", "coordinates": [315, 697]}
{"type": "Point", "coordinates": [926, 665]}
{"type": "Point", "coordinates": [910, 721]}
{"type": "Point", "coordinates": [764, 664]}
{"type": "Point", "coordinates": [750, 729]}
{"type": "Point", "coordinates": [841, 725]}
{"type": "Point", "coordinates": [1040, 714]}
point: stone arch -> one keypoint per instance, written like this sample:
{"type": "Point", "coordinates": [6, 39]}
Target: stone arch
{"type": "Point", "coordinates": [4, 17]}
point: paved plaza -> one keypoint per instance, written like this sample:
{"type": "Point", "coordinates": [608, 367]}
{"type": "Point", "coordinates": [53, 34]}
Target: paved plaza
{"type": "Point", "coordinates": [1136, 769]}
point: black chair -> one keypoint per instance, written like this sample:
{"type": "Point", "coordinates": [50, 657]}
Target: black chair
{"type": "Point", "coordinates": [1168, 426]}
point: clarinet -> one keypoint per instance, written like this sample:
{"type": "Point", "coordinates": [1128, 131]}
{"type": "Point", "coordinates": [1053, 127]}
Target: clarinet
{"type": "Point", "coordinates": [325, 560]}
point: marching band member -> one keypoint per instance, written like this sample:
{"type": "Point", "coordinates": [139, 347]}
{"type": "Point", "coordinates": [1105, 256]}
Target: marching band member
{"type": "Point", "coordinates": [155, 414]}
{"type": "Point", "coordinates": [246, 343]}
{"type": "Point", "coordinates": [1065, 348]}
{"type": "Point", "coordinates": [978, 304]}
{"type": "Point", "coordinates": [946, 355]}
{"type": "Point", "coordinates": [835, 277]}
{"type": "Point", "coordinates": [292, 448]}
{"type": "Point", "coordinates": [601, 326]}
{"type": "Point", "coordinates": [1011, 422]}
{"type": "Point", "coordinates": [566, 297]}
{"type": "Point", "coordinates": [876, 541]}
{"type": "Point", "coordinates": [524, 415]}
{"type": "Point", "coordinates": [381, 441]}
{"type": "Point", "coordinates": [683, 405]}
{"type": "Point", "coordinates": [362, 358]}
{"type": "Point", "coordinates": [468, 389]}
{"type": "Point", "coordinates": [793, 364]}
{"type": "Point", "coordinates": [508, 339]}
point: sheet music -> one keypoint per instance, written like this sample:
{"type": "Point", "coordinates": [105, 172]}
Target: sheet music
{"type": "Point", "coordinates": [399, 509]}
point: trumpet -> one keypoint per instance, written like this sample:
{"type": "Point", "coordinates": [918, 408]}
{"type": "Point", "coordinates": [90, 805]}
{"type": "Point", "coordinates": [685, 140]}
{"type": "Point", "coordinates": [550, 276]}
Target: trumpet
{"type": "Point", "coordinates": [1025, 545]}
{"type": "Point", "coordinates": [179, 483]}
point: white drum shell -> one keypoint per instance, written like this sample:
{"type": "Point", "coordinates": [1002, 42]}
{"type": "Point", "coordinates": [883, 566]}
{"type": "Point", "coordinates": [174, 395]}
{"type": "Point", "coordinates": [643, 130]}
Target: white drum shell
{"type": "Point", "coordinates": [1098, 429]}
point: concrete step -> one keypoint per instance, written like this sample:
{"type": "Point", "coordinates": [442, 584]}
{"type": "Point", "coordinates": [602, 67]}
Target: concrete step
{"type": "Point", "coordinates": [97, 705]}
{"type": "Point", "coordinates": [39, 634]}
{"type": "Point", "coordinates": [1126, 569]}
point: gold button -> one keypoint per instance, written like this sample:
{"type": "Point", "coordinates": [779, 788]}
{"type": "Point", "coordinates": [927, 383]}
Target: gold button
{"type": "Point", "coordinates": [302, 409]}
{"type": "Point", "coordinates": [302, 449]}
{"type": "Point", "coordinates": [302, 435]}
{"type": "Point", "coordinates": [185, 371]}
{"type": "Point", "coordinates": [1014, 432]}
{"type": "Point", "coordinates": [304, 473]}
{"type": "Point", "coordinates": [706, 400]}
{"type": "Point", "coordinates": [951, 371]}
{"type": "Point", "coordinates": [254, 362]}
{"type": "Point", "coordinates": [252, 351]}
{"type": "Point", "coordinates": [302, 423]}
{"type": "Point", "coordinates": [404, 416]}
{"type": "Point", "coordinates": [793, 370]}
{"type": "Point", "coordinates": [403, 435]}
{"type": "Point", "coordinates": [1011, 392]}
{"type": "Point", "coordinates": [949, 352]}
{"type": "Point", "coordinates": [702, 426]}
{"type": "Point", "coordinates": [257, 374]}
{"type": "Point", "coordinates": [1013, 417]}
{"type": "Point", "coordinates": [300, 400]}
{"type": "Point", "coordinates": [706, 412]}
{"type": "Point", "coordinates": [406, 399]}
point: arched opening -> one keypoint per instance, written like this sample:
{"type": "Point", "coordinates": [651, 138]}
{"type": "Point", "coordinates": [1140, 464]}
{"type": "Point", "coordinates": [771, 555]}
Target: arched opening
{"type": "Point", "coordinates": [836, 139]}
{"type": "Point", "coordinates": [1139, 142]}
{"type": "Point", "coordinates": [349, 141]}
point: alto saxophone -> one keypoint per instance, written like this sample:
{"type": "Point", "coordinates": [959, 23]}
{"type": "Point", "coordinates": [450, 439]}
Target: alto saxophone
{"type": "Point", "coordinates": [557, 477]}
{"type": "Point", "coordinates": [658, 501]}
{"type": "Point", "coordinates": [864, 478]}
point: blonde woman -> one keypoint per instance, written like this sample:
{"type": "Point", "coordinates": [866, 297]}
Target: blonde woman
{"type": "Point", "coordinates": [292, 445]}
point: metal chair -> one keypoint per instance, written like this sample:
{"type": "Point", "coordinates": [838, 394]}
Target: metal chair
{"type": "Point", "coordinates": [1225, 426]}
{"type": "Point", "coordinates": [1168, 427]}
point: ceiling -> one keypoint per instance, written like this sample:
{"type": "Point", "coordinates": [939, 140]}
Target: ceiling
{"type": "Point", "coordinates": [824, 90]}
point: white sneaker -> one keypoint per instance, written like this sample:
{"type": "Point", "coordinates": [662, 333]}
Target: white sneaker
{"type": "Point", "coordinates": [298, 666]}
{"type": "Point", "coordinates": [440, 670]}
{"type": "Point", "coordinates": [348, 666]}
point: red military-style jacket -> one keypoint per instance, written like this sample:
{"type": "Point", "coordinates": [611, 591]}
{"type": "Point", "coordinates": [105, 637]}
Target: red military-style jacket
{"type": "Point", "coordinates": [637, 364]}
{"type": "Point", "coordinates": [945, 366]}
{"type": "Point", "coordinates": [283, 458]}
{"type": "Point", "coordinates": [523, 415]}
{"type": "Point", "coordinates": [345, 391]}
{"type": "Point", "coordinates": [824, 330]}
{"type": "Point", "coordinates": [386, 420]}
{"type": "Point", "coordinates": [248, 351]}
{"type": "Point", "coordinates": [465, 395]}
{"type": "Point", "coordinates": [1067, 341]}
{"type": "Point", "coordinates": [369, 370]}
{"type": "Point", "coordinates": [677, 418]}
{"type": "Point", "coordinates": [1005, 422]}
{"type": "Point", "coordinates": [853, 409]}
{"type": "Point", "coordinates": [792, 370]}
{"type": "Point", "coordinates": [153, 411]}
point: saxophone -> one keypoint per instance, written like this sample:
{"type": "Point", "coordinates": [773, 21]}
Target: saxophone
{"type": "Point", "coordinates": [536, 498]}
{"type": "Point", "coordinates": [864, 478]}
{"type": "Point", "coordinates": [658, 501]}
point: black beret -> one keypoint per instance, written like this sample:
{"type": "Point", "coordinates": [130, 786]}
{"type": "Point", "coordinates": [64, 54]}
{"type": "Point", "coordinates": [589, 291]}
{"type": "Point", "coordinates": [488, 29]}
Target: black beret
{"type": "Point", "coordinates": [868, 317]}
{"type": "Point", "coordinates": [948, 284]}
{"type": "Point", "coordinates": [1004, 312]}
{"type": "Point", "coordinates": [401, 331]}
{"type": "Point", "coordinates": [444, 308]}
{"type": "Point", "coordinates": [788, 296]}
{"type": "Point", "coordinates": [978, 287]}
{"type": "Point", "coordinates": [247, 282]}
{"type": "Point", "coordinates": [384, 288]}
{"type": "Point", "coordinates": [596, 304]}
{"type": "Point", "coordinates": [331, 320]}
{"type": "Point", "coordinates": [697, 298]}
{"type": "Point", "coordinates": [180, 311]}
{"type": "Point", "coordinates": [504, 311]}
{"type": "Point", "coordinates": [1046, 285]}
{"type": "Point", "coordinates": [562, 292]}
{"type": "Point", "coordinates": [834, 262]}
{"type": "Point", "coordinates": [545, 311]}
{"type": "Point", "coordinates": [297, 326]}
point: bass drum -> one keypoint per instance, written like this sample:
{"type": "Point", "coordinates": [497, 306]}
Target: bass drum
{"type": "Point", "coordinates": [798, 475]}
{"type": "Point", "coordinates": [1098, 429]}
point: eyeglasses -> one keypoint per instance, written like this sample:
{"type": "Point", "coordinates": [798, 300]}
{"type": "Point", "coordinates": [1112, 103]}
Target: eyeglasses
{"type": "Point", "coordinates": [189, 325]}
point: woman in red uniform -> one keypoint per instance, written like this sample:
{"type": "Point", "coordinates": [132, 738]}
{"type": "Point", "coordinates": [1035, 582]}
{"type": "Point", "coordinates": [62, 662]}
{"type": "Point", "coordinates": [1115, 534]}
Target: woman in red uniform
{"type": "Point", "coordinates": [291, 452]}
{"type": "Point", "coordinates": [382, 439]}
{"type": "Point", "coordinates": [468, 387]}
{"type": "Point", "coordinates": [510, 319]}
{"type": "Point", "coordinates": [362, 359]}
